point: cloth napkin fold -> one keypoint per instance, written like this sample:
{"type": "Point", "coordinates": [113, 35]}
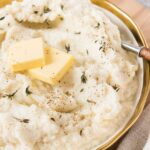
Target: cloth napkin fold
{"type": "Point", "coordinates": [138, 138]}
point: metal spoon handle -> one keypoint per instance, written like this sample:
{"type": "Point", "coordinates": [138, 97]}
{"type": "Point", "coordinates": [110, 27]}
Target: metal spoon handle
{"type": "Point", "coordinates": [141, 51]}
{"type": "Point", "coordinates": [131, 47]}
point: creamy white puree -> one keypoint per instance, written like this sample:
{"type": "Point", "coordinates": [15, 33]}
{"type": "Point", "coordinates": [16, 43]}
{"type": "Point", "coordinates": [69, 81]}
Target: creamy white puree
{"type": "Point", "coordinates": [92, 101]}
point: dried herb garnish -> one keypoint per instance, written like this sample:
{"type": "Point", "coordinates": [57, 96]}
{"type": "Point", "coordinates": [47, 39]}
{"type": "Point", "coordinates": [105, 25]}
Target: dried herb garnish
{"type": "Point", "coordinates": [35, 12]}
{"type": "Point", "coordinates": [81, 90]}
{"type": "Point", "coordinates": [2, 18]}
{"type": "Point", "coordinates": [46, 9]}
{"type": "Point", "coordinates": [87, 52]}
{"type": "Point", "coordinates": [77, 33]}
{"type": "Point", "coordinates": [25, 120]}
{"type": "Point", "coordinates": [83, 78]}
{"type": "Point", "coordinates": [67, 47]}
{"type": "Point", "coordinates": [22, 120]}
{"type": "Point", "coordinates": [98, 25]}
{"type": "Point", "coordinates": [101, 47]}
{"type": "Point", "coordinates": [116, 88]}
{"type": "Point", "coordinates": [10, 96]}
{"type": "Point", "coordinates": [67, 93]}
{"type": "Point", "coordinates": [53, 119]}
{"type": "Point", "coordinates": [81, 132]}
{"type": "Point", "coordinates": [89, 101]}
{"type": "Point", "coordinates": [28, 92]}
{"type": "Point", "coordinates": [62, 7]}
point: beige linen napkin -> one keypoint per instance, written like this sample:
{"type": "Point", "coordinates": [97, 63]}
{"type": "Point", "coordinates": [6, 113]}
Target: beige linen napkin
{"type": "Point", "coordinates": [137, 137]}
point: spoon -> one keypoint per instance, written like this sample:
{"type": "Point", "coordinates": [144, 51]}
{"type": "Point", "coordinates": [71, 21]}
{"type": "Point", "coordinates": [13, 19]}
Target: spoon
{"type": "Point", "coordinates": [140, 51]}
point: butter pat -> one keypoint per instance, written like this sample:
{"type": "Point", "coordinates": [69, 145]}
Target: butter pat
{"type": "Point", "coordinates": [60, 63]}
{"type": "Point", "coordinates": [5, 2]}
{"type": "Point", "coordinates": [27, 54]}
{"type": "Point", "coordinates": [2, 35]}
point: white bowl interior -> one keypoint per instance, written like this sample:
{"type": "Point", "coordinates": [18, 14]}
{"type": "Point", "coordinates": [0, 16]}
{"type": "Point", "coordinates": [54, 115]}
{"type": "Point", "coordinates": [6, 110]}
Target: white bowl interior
{"type": "Point", "coordinates": [127, 36]}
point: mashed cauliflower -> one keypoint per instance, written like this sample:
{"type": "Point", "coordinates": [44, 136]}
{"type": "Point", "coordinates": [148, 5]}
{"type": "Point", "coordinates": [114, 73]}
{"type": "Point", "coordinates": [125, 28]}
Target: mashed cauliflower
{"type": "Point", "coordinates": [90, 103]}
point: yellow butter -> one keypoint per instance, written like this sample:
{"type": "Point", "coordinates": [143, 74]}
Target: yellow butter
{"type": "Point", "coordinates": [27, 54]}
{"type": "Point", "coordinates": [6, 2]}
{"type": "Point", "coordinates": [60, 63]}
{"type": "Point", "coordinates": [2, 35]}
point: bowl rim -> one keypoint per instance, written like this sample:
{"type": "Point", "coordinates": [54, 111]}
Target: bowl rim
{"type": "Point", "coordinates": [133, 27]}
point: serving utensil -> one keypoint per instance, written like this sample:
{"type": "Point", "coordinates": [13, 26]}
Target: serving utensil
{"type": "Point", "coordinates": [141, 51]}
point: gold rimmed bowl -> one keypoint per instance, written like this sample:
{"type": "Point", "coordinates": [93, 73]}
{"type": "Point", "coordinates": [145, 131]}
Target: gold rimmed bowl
{"type": "Point", "coordinates": [129, 32]}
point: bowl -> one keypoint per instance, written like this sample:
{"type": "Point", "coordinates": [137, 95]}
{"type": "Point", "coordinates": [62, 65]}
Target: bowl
{"type": "Point", "coordinates": [130, 32]}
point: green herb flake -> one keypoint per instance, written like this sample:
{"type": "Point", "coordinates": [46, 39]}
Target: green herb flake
{"type": "Point", "coordinates": [28, 92]}
{"type": "Point", "coordinates": [10, 96]}
{"type": "Point", "coordinates": [2, 18]}
{"type": "Point", "coordinates": [46, 10]}
{"type": "Point", "coordinates": [87, 52]}
{"type": "Point", "coordinates": [83, 78]}
{"type": "Point", "coordinates": [22, 120]}
{"type": "Point", "coordinates": [62, 7]}
{"type": "Point", "coordinates": [81, 132]}
{"type": "Point", "coordinates": [25, 120]}
{"type": "Point", "coordinates": [100, 48]}
{"type": "Point", "coordinates": [116, 88]}
{"type": "Point", "coordinates": [81, 90]}
{"type": "Point", "coordinates": [67, 47]}
{"type": "Point", "coordinates": [77, 33]}
{"type": "Point", "coordinates": [36, 12]}
{"type": "Point", "coordinates": [67, 93]}
{"type": "Point", "coordinates": [98, 25]}
{"type": "Point", "coordinates": [53, 119]}
{"type": "Point", "coordinates": [89, 101]}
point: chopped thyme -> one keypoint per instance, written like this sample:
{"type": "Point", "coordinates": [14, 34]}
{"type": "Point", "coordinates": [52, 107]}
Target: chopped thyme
{"type": "Point", "coordinates": [46, 9]}
{"type": "Point", "coordinates": [81, 90]}
{"type": "Point", "coordinates": [101, 47]}
{"type": "Point", "coordinates": [87, 52]}
{"type": "Point", "coordinates": [53, 119]}
{"type": "Point", "coordinates": [67, 93]}
{"type": "Point", "coordinates": [28, 92]}
{"type": "Point", "coordinates": [35, 12]}
{"type": "Point", "coordinates": [89, 101]}
{"type": "Point", "coordinates": [77, 33]}
{"type": "Point", "coordinates": [2, 18]}
{"type": "Point", "coordinates": [25, 120]}
{"type": "Point", "coordinates": [98, 25]}
{"type": "Point", "coordinates": [116, 88]}
{"type": "Point", "coordinates": [22, 120]}
{"type": "Point", "coordinates": [96, 41]}
{"type": "Point", "coordinates": [67, 47]}
{"type": "Point", "coordinates": [81, 132]}
{"type": "Point", "coordinates": [62, 7]}
{"type": "Point", "coordinates": [10, 96]}
{"type": "Point", "coordinates": [83, 78]}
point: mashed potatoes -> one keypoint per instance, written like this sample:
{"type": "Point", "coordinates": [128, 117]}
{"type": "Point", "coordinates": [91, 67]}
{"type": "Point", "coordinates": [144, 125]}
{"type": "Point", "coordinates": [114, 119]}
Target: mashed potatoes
{"type": "Point", "coordinates": [90, 103]}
